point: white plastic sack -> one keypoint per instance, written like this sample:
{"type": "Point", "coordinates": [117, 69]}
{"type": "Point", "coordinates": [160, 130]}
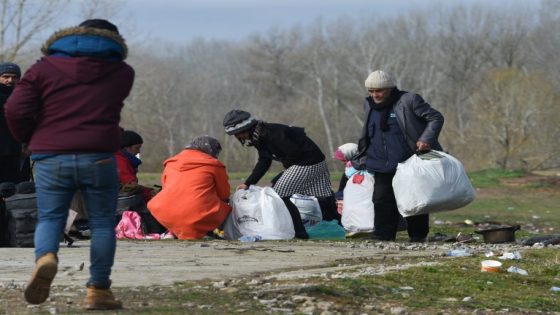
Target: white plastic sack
{"type": "Point", "coordinates": [357, 209]}
{"type": "Point", "coordinates": [431, 183]}
{"type": "Point", "coordinates": [258, 211]}
{"type": "Point", "coordinates": [309, 209]}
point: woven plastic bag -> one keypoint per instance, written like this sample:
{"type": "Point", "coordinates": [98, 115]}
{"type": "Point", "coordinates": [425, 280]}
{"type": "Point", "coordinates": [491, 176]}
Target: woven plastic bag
{"type": "Point", "coordinates": [431, 182]}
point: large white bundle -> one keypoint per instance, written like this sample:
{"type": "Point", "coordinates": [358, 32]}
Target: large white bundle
{"type": "Point", "coordinates": [357, 209]}
{"type": "Point", "coordinates": [258, 211]}
{"type": "Point", "coordinates": [432, 182]}
{"type": "Point", "coordinates": [309, 209]}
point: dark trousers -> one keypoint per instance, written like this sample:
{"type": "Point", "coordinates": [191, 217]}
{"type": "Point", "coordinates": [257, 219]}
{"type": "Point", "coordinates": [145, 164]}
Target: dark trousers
{"type": "Point", "coordinates": [296, 219]}
{"type": "Point", "coordinates": [386, 217]}
{"type": "Point", "coordinates": [329, 208]}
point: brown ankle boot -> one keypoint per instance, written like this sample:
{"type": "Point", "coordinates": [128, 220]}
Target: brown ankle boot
{"type": "Point", "coordinates": [100, 299]}
{"type": "Point", "coordinates": [37, 290]}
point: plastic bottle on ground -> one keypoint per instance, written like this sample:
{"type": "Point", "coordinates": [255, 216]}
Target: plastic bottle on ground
{"type": "Point", "coordinates": [459, 253]}
{"type": "Point", "coordinates": [250, 238]}
{"type": "Point", "coordinates": [520, 271]}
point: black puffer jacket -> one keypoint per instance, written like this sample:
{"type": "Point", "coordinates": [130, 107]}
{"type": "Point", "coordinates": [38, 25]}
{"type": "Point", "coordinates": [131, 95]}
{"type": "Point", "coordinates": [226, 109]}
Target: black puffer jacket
{"type": "Point", "coordinates": [286, 144]}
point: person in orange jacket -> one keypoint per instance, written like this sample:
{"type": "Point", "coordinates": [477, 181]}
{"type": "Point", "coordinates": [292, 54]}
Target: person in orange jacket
{"type": "Point", "coordinates": [195, 191]}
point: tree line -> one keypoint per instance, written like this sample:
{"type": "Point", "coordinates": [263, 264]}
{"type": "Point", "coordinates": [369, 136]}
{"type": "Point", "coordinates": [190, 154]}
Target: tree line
{"type": "Point", "coordinates": [491, 71]}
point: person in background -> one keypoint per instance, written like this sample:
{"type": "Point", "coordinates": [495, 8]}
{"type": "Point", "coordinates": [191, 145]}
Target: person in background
{"type": "Point", "coordinates": [344, 154]}
{"type": "Point", "coordinates": [128, 162]}
{"type": "Point", "coordinates": [397, 124]}
{"type": "Point", "coordinates": [195, 191]}
{"type": "Point", "coordinates": [14, 162]}
{"type": "Point", "coordinates": [68, 108]}
{"type": "Point", "coordinates": [306, 170]}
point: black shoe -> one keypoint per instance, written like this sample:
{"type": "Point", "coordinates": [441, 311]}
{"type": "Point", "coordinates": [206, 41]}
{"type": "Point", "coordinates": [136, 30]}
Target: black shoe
{"type": "Point", "coordinates": [302, 236]}
{"type": "Point", "coordinates": [417, 240]}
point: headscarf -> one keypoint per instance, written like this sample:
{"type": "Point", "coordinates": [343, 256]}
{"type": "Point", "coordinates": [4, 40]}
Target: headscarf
{"type": "Point", "coordinates": [206, 144]}
{"type": "Point", "coordinates": [346, 152]}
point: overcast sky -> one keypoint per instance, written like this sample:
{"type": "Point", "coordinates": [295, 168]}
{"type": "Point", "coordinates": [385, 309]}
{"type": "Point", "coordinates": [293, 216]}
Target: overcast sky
{"type": "Point", "coordinates": [184, 20]}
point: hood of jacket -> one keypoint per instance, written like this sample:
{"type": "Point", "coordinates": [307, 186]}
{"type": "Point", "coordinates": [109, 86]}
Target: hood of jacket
{"type": "Point", "coordinates": [86, 41]}
{"type": "Point", "coordinates": [190, 159]}
{"type": "Point", "coordinates": [83, 70]}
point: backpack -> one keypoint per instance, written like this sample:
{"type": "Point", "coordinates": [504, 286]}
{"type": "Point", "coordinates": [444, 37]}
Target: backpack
{"type": "Point", "coordinates": [19, 220]}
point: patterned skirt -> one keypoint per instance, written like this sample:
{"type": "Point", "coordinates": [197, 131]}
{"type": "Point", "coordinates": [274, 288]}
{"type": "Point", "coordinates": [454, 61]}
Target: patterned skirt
{"type": "Point", "coordinates": [309, 180]}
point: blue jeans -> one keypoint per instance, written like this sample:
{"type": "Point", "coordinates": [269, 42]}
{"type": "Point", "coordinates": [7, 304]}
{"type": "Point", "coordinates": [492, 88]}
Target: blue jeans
{"type": "Point", "coordinates": [58, 177]}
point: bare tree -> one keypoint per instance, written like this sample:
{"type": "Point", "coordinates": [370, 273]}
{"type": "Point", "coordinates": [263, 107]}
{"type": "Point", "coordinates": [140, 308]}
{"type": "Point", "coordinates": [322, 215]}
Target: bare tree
{"type": "Point", "coordinates": [473, 63]}
{"type": "Point", "coordinates": [512, 109]}
{"type": "Point", "coordinates": [22, 20]}
{"type": "Point", "coordinates": [106, 9]}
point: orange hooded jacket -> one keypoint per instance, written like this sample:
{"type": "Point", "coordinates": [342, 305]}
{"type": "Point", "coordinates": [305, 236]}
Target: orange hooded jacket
{"type": "Point", "coordinates": [193, 199]}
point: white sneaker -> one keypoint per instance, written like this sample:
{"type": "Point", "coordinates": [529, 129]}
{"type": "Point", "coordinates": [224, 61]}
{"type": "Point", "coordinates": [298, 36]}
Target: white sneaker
{"type": "Point", "coordinates": [168, 236]}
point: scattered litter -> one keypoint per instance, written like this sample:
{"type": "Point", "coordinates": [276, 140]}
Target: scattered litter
{"type": "Point", "coordinates": [250, 238]}
{"type": "Point", "coordinates": [551, 239]}
{"type": "Point", "coordinates": [438, 222]}
{"type": "Point", "coordinates": [489, 253]}
{"type": "Point", "coordinates": [459, 253]}
{"type": "Point", "coordinates": [536, 217]}
{"type": "Point", "coordinates": [440, 237]}
{"type": "Point", "coordinates": [79, 267]}
{"type": "Point", "coordinates": [520, 271]}
{"type": "Point", "coordinates": [467, 299]}
{"type": "Point", "coordinates": [490, 266]}
{"type": "Point", "coordinates": [469, 222]}
{"type": "Point", "coordinates": [465, 238]}
{"type": "Point", "coordinates": [511, 208]}
{"type": "Point", "coordinates": [407, 288]}
{"type": "Point", "coordinates": [507, 255]}
{"type": "Point", "coordinates": [555, 289]}
{"type": "Point", "coordinates": [538, 245]}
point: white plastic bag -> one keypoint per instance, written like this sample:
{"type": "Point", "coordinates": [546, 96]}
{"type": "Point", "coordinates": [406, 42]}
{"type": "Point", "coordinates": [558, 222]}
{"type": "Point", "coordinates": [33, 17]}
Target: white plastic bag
{"type": "Point", "coordinates": [258, 211]}
{"type": "Point", "coordinates": [357, 209]}
{"type": "Point", "coordinates": [431, 183]}
{"type": "Point", "coordinates": [309, 209]}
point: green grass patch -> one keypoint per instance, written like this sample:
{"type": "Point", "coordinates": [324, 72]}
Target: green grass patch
{"type": "Point", "coordinates": [491, 178]}
{"type": "Point", "coordinates": [459, 283]}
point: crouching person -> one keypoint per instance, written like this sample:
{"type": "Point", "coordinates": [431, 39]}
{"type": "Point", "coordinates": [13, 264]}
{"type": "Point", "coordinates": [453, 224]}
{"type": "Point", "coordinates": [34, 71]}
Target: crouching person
{"type": "Point", "coordinates": [67, 108]}
{"type": "Point", "coordinates": [305, 170]}
{"type": "Point", "coordinates": [195, 191]}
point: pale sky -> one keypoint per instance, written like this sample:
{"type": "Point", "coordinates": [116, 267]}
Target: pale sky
{"type": "Point", "coordinates": [184, 20]}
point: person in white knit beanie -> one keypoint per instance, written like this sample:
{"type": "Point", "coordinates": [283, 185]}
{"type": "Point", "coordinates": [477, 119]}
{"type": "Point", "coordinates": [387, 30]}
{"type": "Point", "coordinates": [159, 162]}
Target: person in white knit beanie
{"type": "Point", "coordinates": [397, 124]}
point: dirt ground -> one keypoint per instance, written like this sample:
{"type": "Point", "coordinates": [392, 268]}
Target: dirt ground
{"type": "Point", "coordinates": [147, 274]}
{"type": "Point", "coordinates": [169, 261]}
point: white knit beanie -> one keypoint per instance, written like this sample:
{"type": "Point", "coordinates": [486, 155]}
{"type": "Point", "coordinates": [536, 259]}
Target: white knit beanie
{"type": "Point", "coordinates": [379, 80]}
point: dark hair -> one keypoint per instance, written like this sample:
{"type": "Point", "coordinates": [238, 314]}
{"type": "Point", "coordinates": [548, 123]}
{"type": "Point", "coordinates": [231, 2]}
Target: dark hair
{"type": "Point", "coordinates": [100, 24]}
